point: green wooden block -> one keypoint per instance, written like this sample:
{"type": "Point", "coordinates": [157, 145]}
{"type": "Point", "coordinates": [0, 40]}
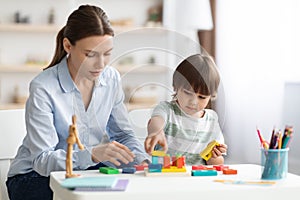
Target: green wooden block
{"type": "Point", "coordinates": [108, 170]}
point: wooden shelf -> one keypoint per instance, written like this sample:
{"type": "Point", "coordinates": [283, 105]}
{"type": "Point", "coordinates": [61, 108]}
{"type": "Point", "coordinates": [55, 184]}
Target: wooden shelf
{"type": "Point", "coordinates": [123, 69]}
{"type": "Point", "coordinates": [139, 30]}
{"type": "Point", "coordinates": [130, 106]}
{"type": "Point", "coordinates": [29, 28]}
{"type": "Point", "coordinates": [10, 106]}
{"type": "Point", "coordinates": [133, 106]}
{"type": "Point", "coordinates": [21, 68]}
{"type": "Point", "coordinates": [54, 29]}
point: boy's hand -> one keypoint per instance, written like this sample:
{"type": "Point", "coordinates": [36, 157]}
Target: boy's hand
{"type": "Point", "coordinates": [156, 135]}
{"type": "Point", "coordinates": [153, 139]}
{"type": "Point", "coordinates": [219, 150]}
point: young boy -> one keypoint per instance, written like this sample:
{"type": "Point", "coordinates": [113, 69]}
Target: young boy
{"type": "Point", "coordinates": [184, 125]}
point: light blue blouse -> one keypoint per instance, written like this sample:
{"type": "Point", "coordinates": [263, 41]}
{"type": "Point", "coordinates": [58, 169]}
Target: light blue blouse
{"type": "Point", "coordinates": [53, 99]}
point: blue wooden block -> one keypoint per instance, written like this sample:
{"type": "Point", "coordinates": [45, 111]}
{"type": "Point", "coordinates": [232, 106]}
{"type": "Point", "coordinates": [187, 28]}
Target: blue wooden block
{"type": "Point", "coordinates": [154, 160]}
{"type": "Point", "coordinates": [204, 173]}
{"type": "Point", "coordinates": [154, 170]}
{"type": "Point", "coordinates": [128, 170]}
{"type": "Point", "coordinates": [155, 166]}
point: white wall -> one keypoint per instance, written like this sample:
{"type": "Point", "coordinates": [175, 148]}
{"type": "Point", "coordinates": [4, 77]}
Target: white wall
{"type": "Point", "coordinates": [257, 49]}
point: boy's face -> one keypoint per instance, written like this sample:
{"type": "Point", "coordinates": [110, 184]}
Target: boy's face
{"type": "Point", "coordinates": [192, 103]}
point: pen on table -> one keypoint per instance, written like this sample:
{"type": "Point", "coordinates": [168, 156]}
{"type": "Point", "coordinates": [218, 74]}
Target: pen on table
{"type": "Point", "coordinates": [246, 182]}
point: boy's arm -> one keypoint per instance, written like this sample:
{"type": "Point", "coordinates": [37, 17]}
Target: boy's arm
{"type": "Point", "coordinates": [156, 134]}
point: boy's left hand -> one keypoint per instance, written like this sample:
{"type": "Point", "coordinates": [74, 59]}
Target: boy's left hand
{"type": "Point", "coordinates": [219, 150]}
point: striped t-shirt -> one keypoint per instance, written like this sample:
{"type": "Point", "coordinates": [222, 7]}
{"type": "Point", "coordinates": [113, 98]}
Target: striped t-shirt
{"type": "Point", "coordinates": [187, 135]}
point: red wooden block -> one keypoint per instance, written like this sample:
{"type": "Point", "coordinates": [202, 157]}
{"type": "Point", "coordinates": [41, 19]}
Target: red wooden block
{"type": "Point", "coordinates": [140, 167]}
{"type": "Point", "coordinates": [199, 167]}
{"type": "Point", "coordinates": [210, 168]}
{"type": "Point", "coordinates": [174, 160]}
{"type": "Point", "coordinates": [220, 167]}
{"type": "Point", "coordinates": [167, 162]}
{"type": "Point", "coordinates": [229, 171]}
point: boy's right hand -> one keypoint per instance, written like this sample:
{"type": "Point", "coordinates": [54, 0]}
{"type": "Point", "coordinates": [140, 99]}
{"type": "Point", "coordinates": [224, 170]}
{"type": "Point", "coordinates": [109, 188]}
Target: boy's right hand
{"type": "Point", "coordinates": [156, 135]}
{"type": "Point", "coordinates": [153, 139]}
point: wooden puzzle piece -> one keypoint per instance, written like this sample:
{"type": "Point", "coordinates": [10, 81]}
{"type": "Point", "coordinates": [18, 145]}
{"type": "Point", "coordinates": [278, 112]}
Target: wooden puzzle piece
{"type": "Point", "coordinates": [207, 152]}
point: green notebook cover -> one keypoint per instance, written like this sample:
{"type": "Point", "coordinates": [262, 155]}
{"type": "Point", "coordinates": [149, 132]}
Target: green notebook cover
{"type": "Point", "coordinates": [99, 182]}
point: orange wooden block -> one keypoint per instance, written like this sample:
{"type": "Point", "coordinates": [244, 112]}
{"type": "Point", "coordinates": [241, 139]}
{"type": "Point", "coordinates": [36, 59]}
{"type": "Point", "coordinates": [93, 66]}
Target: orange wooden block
{"type": "Point", "coordinates": [179, 162]}
{"type": "Point", "coordinates": [229, 171]}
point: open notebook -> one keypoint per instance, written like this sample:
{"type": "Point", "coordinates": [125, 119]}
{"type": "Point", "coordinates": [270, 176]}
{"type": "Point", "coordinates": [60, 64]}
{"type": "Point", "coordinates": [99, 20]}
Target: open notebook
{"type": "Point", "coordinates": [90, 182]}
{"type": "Point", "coordinates": [109, 183]}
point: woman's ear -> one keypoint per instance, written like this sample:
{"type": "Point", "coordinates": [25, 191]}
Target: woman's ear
{"type": "Point", "coordinates": [67, 45]}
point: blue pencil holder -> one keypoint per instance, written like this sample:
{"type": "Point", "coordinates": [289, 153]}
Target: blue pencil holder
{"type": "Point", "coordinates": [274, 163]}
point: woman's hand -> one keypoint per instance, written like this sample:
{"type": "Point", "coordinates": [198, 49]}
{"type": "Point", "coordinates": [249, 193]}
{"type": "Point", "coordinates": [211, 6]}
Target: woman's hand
{"type": "Point", "coordinates": [112, 152]}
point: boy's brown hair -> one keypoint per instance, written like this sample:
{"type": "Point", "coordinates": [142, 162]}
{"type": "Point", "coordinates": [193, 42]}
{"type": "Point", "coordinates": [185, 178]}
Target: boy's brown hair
{"type": "Point", "coordinates": [198, 72]}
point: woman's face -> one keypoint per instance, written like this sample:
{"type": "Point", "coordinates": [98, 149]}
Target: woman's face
{"type": "Point", "coordinates": [89, 56]}
{"type": "Point", "coordinates": [192, 103]}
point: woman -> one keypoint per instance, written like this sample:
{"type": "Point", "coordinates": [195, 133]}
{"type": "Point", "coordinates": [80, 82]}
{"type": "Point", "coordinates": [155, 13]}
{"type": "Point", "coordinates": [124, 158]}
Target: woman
{"type": "Point", "coordinates": [77, 82]}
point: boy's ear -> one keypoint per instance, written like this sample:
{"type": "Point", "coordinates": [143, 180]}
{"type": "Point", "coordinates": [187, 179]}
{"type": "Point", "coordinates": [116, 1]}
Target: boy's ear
{"type": "Point", "coordinates": [67, 45]}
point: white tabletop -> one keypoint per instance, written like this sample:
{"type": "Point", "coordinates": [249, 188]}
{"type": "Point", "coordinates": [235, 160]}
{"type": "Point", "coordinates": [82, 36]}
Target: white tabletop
{"type": "Point", "coordinates": [179, 187]}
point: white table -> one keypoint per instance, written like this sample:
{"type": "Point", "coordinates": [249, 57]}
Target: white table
{"type": "Point", "coordinates": [182, 188]}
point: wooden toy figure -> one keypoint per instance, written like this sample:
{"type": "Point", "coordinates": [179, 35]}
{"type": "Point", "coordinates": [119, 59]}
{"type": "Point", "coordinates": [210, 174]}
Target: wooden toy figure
{"type": "Point", "coordinates": [71, 140]}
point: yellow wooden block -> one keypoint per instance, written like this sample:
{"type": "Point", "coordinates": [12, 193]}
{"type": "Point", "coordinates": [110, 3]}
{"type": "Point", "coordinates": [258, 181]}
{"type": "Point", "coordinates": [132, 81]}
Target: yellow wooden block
{"type": "Point", "coordinates": [158, 153]}
{"type": "Point", "coordinates": [206, 153]}
{"type": "Point", "coordinates": [173, 169]}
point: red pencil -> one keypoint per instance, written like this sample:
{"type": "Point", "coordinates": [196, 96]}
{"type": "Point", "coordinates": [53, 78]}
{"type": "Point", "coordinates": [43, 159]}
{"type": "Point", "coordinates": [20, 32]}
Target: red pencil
{"type": "Point", "coordinates": [262, 141]}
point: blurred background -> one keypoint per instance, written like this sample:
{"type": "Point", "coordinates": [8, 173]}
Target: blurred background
{"type": "Point", "coordinates": [255, 43]}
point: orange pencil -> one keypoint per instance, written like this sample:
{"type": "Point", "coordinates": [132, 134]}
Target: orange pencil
{"type": "Point", "coordinates": [280, 140]}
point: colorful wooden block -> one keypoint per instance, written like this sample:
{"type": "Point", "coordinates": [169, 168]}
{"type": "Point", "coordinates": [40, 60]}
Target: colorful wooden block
{"type": "Point", "coordinates": [198, 167]}
{"type": "Point", "coordinates": [210, 168]}
{"type": "Point", "coordinates": [108, 170]}
{"type": "Point", "coordinates": [229, 171]}
{"type": "Point", "coordinates": [154, 166]}
{"type": "Point", "coordinates": [220, 167]}
{"type": "Point", "coordinates": [154, 170]}
{"type": "Point", "coordinates": [154, 159]}
{"type": "Point", "coordinates": [206, 153]}
{"type": "Point", "coordinates": [174, 160]}
{"type": "Point", "coordinates": [140, 167]}
{"type": "Point", "coordinates": [167, 161]}
{"type": "Point", "coordinates": [128, 170]}
{"type": "Point", "coordinates": [174, 169]}
{"type": "Point", "coordinates": [180, 162]}
{"type": "Point", "coordinates": [204, 173]}
{"type": "Point", "coordinates": [168, 174]}
{"type": "Point", "coordinates": [158, 153]}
